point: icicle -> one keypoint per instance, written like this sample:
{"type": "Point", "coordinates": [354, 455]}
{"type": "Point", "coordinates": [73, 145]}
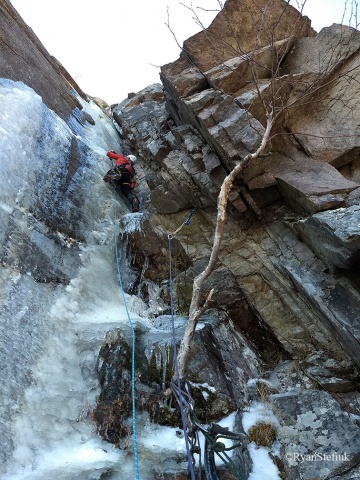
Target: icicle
{"type": "Point", "coordinates": [132, 222]}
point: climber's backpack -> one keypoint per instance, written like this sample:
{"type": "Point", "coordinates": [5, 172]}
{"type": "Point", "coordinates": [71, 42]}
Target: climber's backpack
{"type": "Point", "coordinates": [112, 175]}
{"type": "Point", "coordinates": [125, 166]}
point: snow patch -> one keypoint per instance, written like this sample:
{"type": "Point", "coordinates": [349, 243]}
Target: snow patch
{"type": "Point", "coordinates": [263, 465]}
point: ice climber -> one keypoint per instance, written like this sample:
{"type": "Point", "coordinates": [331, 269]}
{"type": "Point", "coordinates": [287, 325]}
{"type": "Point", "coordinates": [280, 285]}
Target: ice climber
{"type": "Point", "coordinates": [122, 175]}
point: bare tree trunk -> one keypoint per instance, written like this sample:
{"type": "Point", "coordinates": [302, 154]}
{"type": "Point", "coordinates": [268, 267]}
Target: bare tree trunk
{"type": "Point", "coordinates": [196, 310]}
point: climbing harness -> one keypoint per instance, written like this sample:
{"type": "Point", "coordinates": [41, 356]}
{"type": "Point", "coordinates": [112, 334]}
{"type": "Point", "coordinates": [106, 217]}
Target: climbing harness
{"type": "Point", "coordinates": [136, 456]}
{"type": "Point", "coordinates": [191, 425]}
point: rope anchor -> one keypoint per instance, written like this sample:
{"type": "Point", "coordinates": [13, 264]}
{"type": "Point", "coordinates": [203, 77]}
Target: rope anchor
{"type": "Point", "coordinates": [185, 223]}
{"type": "Point", "coordinates": [188, 220]}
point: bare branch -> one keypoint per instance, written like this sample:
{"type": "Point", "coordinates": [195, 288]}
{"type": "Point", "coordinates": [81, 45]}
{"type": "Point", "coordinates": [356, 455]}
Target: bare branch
{"type": "Point", "coordinates": [171, 31]}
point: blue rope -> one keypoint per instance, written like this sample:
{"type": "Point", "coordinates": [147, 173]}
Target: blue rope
{"type": "Point", "coordinates": [183, 420]}
{"type": "Point", "coordinates": [136, 455]}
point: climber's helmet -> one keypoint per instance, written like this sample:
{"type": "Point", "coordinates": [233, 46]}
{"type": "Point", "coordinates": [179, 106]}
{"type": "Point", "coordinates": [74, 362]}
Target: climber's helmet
{"type": "Point", "coordinates": [132, 158]}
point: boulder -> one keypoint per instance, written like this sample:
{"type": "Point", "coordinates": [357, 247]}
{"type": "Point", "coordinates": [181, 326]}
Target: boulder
{"type": "Point", "coordinates": [182, 77]}
{"type": "Point", "coordinates": [232, 32]}
{"type": "Point", "coordinates": [321, 54]}
{"type": "Point", "coordinates": [234, 74]}
{"type": "Point", "coordinates": [318, 439]}
{"type": "Point", "coordinates": [332, 375]}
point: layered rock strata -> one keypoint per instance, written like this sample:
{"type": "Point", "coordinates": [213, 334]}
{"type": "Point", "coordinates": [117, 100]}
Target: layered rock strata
{"type": "Point", "coordinates": [291, 244]}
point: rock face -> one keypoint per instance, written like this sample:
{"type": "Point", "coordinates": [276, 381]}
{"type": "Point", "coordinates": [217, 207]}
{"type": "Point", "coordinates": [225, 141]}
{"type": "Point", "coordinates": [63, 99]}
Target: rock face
{"type": "Point", "coordinates": [287, 292]}
{"type": "Point", "coordinates": [232, 31]}
{"type": "Point", "coordinates": [24, 57]}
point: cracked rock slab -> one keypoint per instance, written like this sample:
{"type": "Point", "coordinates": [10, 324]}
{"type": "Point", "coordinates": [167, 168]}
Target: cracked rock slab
{"type": "Point", "coordinates": [309, 184]}
{"type": "Point", "coordinates": [334, 235]}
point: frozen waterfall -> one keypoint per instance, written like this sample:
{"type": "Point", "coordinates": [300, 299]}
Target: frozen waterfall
{"type": "Point", "coordinates": [59, 290]}
{"type": "Point", "coordinates": [60, 297]}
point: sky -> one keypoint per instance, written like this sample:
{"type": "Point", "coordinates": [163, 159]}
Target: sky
{"type": "Point", "coordinates": [115, 47]}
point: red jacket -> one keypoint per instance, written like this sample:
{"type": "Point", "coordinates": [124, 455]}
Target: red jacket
{"type": "Point", "coordinates": [121, 160]}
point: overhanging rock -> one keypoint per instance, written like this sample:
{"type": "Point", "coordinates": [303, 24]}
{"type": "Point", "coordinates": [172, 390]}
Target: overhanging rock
{"type": "Point", "coordinates": [232, 32]}
{"type": "Point", "coordinates": [309, 185]}
{"type": "Point", "coordinates": [326, 123]}
{"type": "Point", "coordinates": [235, 73]}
